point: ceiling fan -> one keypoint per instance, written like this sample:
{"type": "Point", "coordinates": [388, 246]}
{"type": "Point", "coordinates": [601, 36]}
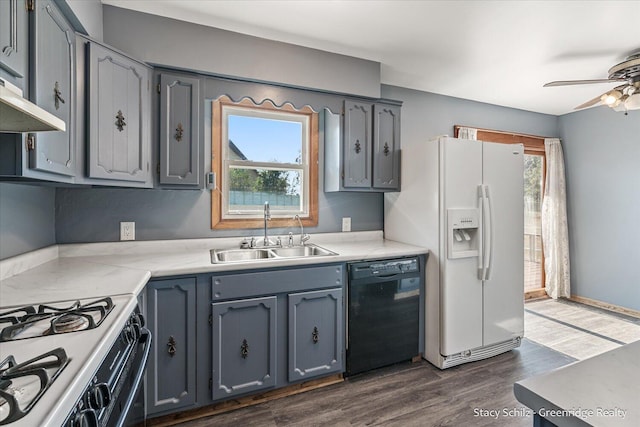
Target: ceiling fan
{"type": "Point", "coordinates": [621, 98]}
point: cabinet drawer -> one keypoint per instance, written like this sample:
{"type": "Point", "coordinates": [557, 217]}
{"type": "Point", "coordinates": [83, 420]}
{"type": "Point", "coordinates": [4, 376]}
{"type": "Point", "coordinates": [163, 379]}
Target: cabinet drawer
{"type": "Point", "coordinates": [241, 285]}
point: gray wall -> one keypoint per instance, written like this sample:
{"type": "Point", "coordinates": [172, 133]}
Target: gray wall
{"type": "Point", "coordinates": [602, 160]}
{"type": "Point", "coordinates": [426, 115]}
{"type": "Point", "coordinates": [27, 220]}
{"type": "Point", "coordinates": [93, 215]}
{"type": "Point", "coordinates": [86, 215]}
{"type": "Point", "coordinates": [88, 14]}
{"type": "Point", "coordinates": [176, 43]}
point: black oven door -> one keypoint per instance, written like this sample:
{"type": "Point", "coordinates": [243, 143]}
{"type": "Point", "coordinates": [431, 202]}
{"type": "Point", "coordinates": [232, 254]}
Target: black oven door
{"type": "Point", "coordinates": [129, 405]}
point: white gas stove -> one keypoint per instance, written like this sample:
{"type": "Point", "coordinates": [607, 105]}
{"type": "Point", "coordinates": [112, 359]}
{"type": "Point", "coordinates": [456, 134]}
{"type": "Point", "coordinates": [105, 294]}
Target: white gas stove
{"type": "Point", "coordinates": [95, 351]}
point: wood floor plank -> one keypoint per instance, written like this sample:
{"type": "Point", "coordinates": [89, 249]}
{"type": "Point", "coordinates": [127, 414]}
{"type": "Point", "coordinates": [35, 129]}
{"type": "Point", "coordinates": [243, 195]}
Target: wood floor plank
{"type": "Point", "coordinates": [419, 394]}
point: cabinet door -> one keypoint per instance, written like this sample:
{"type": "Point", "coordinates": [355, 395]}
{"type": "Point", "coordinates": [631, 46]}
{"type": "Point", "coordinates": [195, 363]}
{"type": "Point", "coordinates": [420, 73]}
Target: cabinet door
{"type": "Point", "coordinates": [357, 145]}
{"type": "Point", "coordinates": [179, 130]}
{"type": "Point", "coordinates": [171, 316]}
{"type": "Point", "coordinates": [51, 87]}
{"type": "Point", "coordinates": [244, 346]}
{"type": "Point", "coordinates": [386, 147]}
{"type": "Point", "coordinates": [13, 41]}
{"type": "Point", "coordinates": [315, 333]}
{"type": "Point", "coordinates": [118, 115]}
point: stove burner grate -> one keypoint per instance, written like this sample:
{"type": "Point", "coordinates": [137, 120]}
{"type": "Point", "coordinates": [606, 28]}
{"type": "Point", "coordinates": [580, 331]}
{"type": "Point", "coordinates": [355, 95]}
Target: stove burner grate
{"type": "Point", "coordinates": [37, 373]}
{"type": "Point", "coordinates": [58, 320]}
{"type": "Point", "coordinates": [69, 323]}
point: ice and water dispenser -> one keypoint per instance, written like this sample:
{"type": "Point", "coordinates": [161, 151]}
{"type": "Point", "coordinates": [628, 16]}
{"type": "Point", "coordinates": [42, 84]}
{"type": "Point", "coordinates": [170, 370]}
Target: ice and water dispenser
{"type": "Point", "coordinates": [462, 233]}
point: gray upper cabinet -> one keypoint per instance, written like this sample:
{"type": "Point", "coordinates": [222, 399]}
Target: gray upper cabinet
{"type": "Point", "coordinates": [362, 148]}
{"type": "Point", "coordinates": [357, 144]}
{"type": "Point", "coordinates": [179, 130]}
{"type": "Point", "coordinates": [244, 346]}
{"type": "Point", "coordinates": [171, 316]}
{"type": "Point", "coordinates": [14, 42]}
{"type": "Point", "coordinates": [52, 88]}
{"type": "Point", "coordinates": [118, 116]}
{"type": "Point", "coordinates": [386, 147]}
{"type": "Point", "coordinates": [315, 333]}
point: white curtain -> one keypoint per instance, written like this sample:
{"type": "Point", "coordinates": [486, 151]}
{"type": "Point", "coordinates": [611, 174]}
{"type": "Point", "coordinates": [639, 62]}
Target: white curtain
{"type": "Point", "coordinates": [468, 133]}
{"type": "Point", "coordinates": [555, 233]}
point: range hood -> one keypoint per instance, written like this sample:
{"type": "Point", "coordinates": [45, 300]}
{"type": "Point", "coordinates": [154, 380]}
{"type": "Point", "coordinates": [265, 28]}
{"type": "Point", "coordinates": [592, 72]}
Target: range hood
{"type": "Point", "coordinates": [18, 114]}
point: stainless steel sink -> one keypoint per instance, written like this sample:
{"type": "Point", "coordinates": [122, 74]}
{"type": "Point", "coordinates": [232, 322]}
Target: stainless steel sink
{"type": "Point", "coordinates": [219, 256]}
{"type": "Point", "coordinates": [302, 251]}
{"type": "Point", "coordinates": [239, 255]}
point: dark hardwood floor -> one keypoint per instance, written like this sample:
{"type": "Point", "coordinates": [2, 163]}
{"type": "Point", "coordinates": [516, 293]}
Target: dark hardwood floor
{"type": "Point", "coordinates": [417, 394]}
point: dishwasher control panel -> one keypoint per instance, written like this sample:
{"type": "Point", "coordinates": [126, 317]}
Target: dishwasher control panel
{"type": "Point", "coordinates": [383, 268]}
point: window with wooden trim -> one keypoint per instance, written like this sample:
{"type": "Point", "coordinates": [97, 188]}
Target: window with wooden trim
{"type": "Point", "coordinates": [534, 178]}
{"type": "Point", "coordinates": [263, 153]}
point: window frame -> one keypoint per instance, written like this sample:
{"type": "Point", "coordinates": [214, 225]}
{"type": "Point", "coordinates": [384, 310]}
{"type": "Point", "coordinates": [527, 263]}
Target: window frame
{"type": "Point", "coordinates": [220, 218]}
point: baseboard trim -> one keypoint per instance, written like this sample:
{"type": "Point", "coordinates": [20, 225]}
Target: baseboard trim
{"type": "Point", "coordinates": [537, 294]}
{"type": "Point", "coordinates": [241, 402]}
{"type": "Point", "coordinates": [605, 306]}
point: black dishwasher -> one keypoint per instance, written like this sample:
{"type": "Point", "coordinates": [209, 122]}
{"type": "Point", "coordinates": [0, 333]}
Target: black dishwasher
{"type": "Point", "coordinates": [383, 313]}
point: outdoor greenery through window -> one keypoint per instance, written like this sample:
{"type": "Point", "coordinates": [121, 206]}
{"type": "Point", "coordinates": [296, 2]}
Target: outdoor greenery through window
{"type": "Point", "coordinates": [263, 153]}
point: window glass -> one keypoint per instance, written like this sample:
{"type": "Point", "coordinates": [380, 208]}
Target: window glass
{"type": "Point", "coordinates": [249, 188]}
{"type": "Point", "coordinates": [263, 153]}
{"type": "Point", "coordinates": [260, 139]}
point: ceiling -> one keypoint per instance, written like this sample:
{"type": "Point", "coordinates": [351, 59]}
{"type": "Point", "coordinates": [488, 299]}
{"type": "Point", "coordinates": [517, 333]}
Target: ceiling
{"type": "Point", "coordinates": [499, 52]}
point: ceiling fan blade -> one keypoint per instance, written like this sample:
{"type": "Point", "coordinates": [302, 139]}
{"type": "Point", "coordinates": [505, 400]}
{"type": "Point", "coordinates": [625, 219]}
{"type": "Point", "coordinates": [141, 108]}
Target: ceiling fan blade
{"type": "Point", "coordinates": [595, 101]}
{"type": "Point", "coordinates": [581, 82]}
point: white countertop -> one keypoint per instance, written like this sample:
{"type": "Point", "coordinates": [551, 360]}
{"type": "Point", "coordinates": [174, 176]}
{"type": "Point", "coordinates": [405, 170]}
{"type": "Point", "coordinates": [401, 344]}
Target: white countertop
{"type": "Point", "coordinates": [121, 270]}
{"type": "Point", "coordinates": [101, 269]}
{"type": "Point", "coordinates": [601, 391]}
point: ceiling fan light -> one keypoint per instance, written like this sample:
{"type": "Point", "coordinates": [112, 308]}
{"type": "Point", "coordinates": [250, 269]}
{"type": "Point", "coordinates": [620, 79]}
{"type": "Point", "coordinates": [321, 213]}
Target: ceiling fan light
{"type": "Point", "coordinates": [611, 98]}
{"type": "Point", "coordinates": [633, 102]}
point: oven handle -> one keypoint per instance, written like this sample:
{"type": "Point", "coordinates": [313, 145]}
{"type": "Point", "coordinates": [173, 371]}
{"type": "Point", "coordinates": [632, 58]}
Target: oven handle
{"type": "Point", "coordinates": [145, 337]}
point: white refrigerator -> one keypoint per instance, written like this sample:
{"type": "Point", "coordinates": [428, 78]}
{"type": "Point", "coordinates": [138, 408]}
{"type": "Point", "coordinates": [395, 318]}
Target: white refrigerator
{"type": "Point", "coordinates": [463, 200]}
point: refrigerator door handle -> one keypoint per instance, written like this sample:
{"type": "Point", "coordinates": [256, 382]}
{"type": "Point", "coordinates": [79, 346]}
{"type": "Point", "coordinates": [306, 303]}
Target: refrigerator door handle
{"type": "Point", "coordinates": [489, 236]}
{"type": "Point", "coordinates": [481, 203]}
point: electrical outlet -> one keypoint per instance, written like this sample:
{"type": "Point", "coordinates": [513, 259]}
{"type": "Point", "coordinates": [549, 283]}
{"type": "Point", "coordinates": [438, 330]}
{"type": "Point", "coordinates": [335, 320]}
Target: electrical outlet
{"type": "Point", "coordinates": [127, 231]}
{"type": "Point", "coordinates": [346, 223]}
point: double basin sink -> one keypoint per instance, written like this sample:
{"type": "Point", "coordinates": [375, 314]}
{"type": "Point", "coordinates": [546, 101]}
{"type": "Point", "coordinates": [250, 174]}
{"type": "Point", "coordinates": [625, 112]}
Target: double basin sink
{"type": "Point", "coordinates": [220, 256]}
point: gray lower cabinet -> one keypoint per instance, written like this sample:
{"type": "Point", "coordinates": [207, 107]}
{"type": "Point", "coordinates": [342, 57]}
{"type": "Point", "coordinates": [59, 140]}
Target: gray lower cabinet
{"type": "Point", "coordinates": [276, 327]}
{"type": "Point", "coordinates": [52, 88]}
{"type": "Point", "coordinates": [315, 333]}
{"type": "Point", "coordinates": [14, 45]}
{"type": "Point", "coordinates": [171, 370]}
{"type": "Point", "coordinates": [179, 130]}
{"type": "Point", "coordinates": [244, 346]}
{"type": "Point", "coordinates": [118, 110]}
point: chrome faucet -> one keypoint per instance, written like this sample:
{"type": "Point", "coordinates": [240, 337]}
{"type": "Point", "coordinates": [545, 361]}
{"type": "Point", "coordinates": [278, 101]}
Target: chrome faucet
{"type": "Point", "coordinates": [267, 217]}
{"type": "Point", "coordinates": [303, 237]}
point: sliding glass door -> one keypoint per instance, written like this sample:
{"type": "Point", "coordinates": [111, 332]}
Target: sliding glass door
{"type": "Point", "coordinates": [533, 190]}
